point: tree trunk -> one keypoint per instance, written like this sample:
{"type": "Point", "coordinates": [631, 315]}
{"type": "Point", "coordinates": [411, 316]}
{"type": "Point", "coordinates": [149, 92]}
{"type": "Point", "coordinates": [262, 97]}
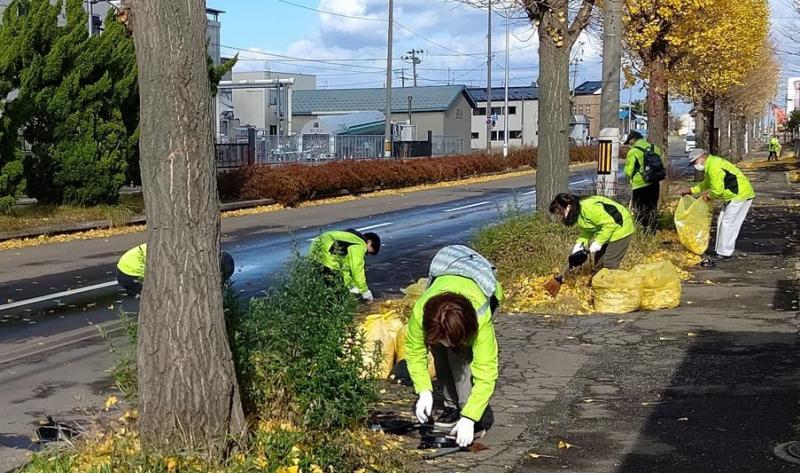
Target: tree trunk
{"type": "Point", "coordinates": [724, 124]}
{"type": "Point", "coordinates": [706, 134]}
{"type": "Point", "coordinates": [658, 104]}
{"type": "Point", "coordinates": [552, 175]}
{"type": "Point", "coordinates": [739, 138]}
{"type": "Point", "coordinates": [188, 393]}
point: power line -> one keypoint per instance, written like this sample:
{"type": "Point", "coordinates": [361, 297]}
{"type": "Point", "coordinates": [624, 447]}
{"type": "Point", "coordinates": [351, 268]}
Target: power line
{"type": "Point", "coordinates": [305, 7]}
{"type": "Point", "coordinates": [300, 59]}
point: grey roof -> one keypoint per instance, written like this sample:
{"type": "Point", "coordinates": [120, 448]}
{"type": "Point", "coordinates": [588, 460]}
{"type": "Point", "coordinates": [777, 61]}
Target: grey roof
{"type": "Point", "coordinates": [498, 93]}
{"type": "Point", "coordinates": [589, 87]}
{"type": "Point", "coordinates": [425, 99]}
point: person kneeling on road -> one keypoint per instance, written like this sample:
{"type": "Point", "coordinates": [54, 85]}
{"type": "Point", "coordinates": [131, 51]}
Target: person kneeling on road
{"type": "Point", "coordinates": [606, 223]}
{"type": "Point", "coordinates": [343, 253]}
{"type": "Point", "coordinates": [723, 181]}
{"type": "Point", "coordinates": [454, 320]}
{"type": "Point", "coordinates": [131, 268]}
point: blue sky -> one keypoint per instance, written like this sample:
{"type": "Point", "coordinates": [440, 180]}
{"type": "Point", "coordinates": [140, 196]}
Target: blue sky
{"type": "Point", "coordinates": [453, 36]}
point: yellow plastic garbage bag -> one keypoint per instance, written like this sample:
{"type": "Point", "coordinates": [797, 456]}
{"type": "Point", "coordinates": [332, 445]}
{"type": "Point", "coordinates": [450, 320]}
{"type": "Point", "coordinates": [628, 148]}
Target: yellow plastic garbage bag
{"type": "Point", "coordinates": [660, 283]}
{"type": "Point", "coordinates": [380, 330]}
{"type": "Point", "coordinates": [616, 292]}
{"type": "Point", "coordinates": [693, 223]}
{"type": "Point", "coordinates": [414, 291]}
{"type": "Point", "coordinates": [400, 350]}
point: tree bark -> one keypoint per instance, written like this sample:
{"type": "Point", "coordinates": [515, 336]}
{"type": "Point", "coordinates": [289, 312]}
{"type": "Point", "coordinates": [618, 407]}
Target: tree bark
{"type": "Point", "coordinates": [724, 124]}
{"type": "Point", "coordinates": [188, 392]}
{"type": "Point", "coordinates": [552, 175]}
{"type": "Point", "coordinates": [658, 104]}
{"type": "Point", "coordinates": [738, 137]}
{"type": "Point", "coordinates": [706, 133]}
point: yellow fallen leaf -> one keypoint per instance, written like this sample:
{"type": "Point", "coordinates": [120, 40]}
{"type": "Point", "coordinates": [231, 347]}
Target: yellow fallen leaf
{"type": "Point", "coordinates": [111, 401]}
{"type": "Point", "coordinates": [536, 455]}
{"type": "Point", "coordinates": [171, 463]}
{"type": "Point", "coordinates": [563, 444]}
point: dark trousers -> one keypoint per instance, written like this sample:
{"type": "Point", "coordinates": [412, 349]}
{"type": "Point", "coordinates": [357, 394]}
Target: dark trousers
{"type": "Point", "coordinates": [131, 284]}
{"type": "Point", "coordinates": [645, 205]}
{"type": "Point", "coordinates": [772, 155]}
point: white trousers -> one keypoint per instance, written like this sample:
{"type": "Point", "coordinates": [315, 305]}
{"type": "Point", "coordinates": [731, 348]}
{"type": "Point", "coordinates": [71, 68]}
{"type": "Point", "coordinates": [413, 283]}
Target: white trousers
{"type": "Point", "coordinates": [729, 223]}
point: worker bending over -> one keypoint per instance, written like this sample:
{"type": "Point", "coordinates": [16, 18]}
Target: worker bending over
{"type": "Point", "coordinates": [606, 227]}
{"type": "Point", "coordinates": [453, 319]}
{"type": "Point", "coordinates": [343, 253]}
{"type": "Point", "coordinates": [131, 269]}
{"type": "Point", "coordinates": [723, 181]}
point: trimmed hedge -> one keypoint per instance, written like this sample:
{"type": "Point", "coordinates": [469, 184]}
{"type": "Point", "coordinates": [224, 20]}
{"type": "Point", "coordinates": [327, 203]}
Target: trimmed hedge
{"type": "Point", "coordinates": [295, 183]}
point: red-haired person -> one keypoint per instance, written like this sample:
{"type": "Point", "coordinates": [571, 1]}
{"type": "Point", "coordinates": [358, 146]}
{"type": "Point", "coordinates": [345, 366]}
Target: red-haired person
{"type": "Point", "coordinates": [454, 320]}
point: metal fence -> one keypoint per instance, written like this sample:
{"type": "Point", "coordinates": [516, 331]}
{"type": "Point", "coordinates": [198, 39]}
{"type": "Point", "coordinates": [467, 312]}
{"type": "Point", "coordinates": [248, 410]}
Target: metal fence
{"type": "Point", "coordinates": [255, 147]}
{"type": "Point", "coordinates": [444, 145]}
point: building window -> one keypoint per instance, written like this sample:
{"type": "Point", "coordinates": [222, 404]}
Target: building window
{"type": "Point", "coordinates": [273, 98]}
{"type": "Point", "coordinates": [512, 111]}
{"type": "Point", "coordinates": [499, 135]}
{"type": "Point", "coordinates": [475, 135]}
{"type": "Point", "coordinates": [459, 114]}
{"type": "Point", "coordinates": [479, 111]}
{"type": "Point", "coordinates": [97, 24]}
{"type": "Point", "coordinates": [515, 134]}
{"type": "Point", "coordinates": [273, 130]}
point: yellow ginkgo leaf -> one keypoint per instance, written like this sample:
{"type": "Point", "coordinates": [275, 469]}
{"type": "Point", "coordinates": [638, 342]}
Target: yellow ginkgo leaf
{"type": "Point", "coordinates": [563, 444]}
{"type": "Point", "coordinates": [111, 401]}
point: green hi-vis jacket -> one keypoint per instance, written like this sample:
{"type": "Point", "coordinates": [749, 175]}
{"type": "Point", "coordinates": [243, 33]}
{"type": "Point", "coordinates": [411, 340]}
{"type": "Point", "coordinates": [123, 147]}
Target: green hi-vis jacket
{"type": "Point", "coordinates": [132, 262]}
{"type": "Point", "coordinates": [775, 145]}
{"type": "Point", "coordinates": [634, 163]}
{"type": "Point", "coordinates": [484, 346]}
{"type": "Point", "coordinates": [724, 181]}
{"type": "Point", "coordinates": [343, 252]}
{"type": "Point", "coordinates": [603, 220]}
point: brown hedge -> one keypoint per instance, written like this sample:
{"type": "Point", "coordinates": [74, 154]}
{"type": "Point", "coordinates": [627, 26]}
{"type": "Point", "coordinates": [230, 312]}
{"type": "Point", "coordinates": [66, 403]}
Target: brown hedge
{"type": "Point", "coordinates": [295, 183]}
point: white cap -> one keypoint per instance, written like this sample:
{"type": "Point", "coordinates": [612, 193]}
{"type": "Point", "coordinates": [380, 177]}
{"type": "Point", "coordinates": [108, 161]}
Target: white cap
{"type": "Point", "coordinates": [696, 154]}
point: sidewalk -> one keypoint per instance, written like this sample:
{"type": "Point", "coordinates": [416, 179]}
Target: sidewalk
{"type": "Point", "coordinates": [709, 387]}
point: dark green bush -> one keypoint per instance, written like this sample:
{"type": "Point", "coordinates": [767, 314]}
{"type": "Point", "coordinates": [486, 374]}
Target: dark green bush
{"type": "Point", "coordinates": [298, 352]}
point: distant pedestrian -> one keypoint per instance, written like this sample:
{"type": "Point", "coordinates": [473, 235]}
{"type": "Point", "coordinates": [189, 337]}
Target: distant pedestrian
{"type": "Point", "coordinates": [605, 223]}
{"type": "Point", "coordinates": [131, 269]}
{"type": "Point", "coordinates": [343, 253]}
{"type": "Point", "coordinates": [723, 181]}
{"type": "Point", "coordinates": [774, 149]}
{"type": "Point", "coordinates": [646, 187]}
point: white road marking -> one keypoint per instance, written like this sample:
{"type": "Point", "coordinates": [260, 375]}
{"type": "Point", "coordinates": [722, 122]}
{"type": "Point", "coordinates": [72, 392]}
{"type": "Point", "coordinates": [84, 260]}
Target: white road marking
{"type": "Point", "coordinates": [582, 181]}
{"type": "Point", "coordinates": [373, 227]}
{"type": "Point", "coordinates": [468, 206]}
{"type": "Point", "coordinates": [56, 295]}
{"type": "Point", "coordinates": [530, 193]}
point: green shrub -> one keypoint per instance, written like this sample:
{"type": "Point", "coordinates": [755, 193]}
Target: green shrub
{"type": "Point", "coordinates": [299, 354]}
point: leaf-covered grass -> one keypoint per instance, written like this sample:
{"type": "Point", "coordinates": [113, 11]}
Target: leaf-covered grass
{"type": "Point", "coordinates": [40, 216]}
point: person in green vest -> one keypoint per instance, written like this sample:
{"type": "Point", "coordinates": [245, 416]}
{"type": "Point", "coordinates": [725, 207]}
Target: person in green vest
{"type": "Point", "coordinates": [774, 148]}
{"type": "Point", "coordinates": [724, 181]}
{"type": "Point", "coordinates": [645, 194]}
{"type": "Point", "coordinates": [343, 253]}
{"type": "Point", "coordinates": [454, 321]}
{"type": "Point", "coordinates": [606, 226]}
{"type": "Point", "coordinates": [131, 269]}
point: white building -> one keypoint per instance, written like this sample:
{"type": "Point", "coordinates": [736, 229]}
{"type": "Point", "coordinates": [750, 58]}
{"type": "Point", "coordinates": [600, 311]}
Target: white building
{"type": "Point", "coordinates": [523, 117]}
{"type": "Point", "coordinates": [266, 109]}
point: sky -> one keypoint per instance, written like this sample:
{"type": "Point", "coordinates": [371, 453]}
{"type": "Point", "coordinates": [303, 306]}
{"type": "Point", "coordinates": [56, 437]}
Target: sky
{"type": "Point", "coordinates": [343, 42]}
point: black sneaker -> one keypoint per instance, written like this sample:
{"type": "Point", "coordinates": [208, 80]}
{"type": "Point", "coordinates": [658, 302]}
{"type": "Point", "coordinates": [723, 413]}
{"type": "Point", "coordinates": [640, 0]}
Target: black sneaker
{"type": "Point", "coordinates": [707, 263]}
{"type": "Point", "coordinates": [448, 418]}
{"type": "Point", "coordinates": [722, 258]}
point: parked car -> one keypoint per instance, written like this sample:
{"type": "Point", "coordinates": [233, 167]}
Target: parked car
{"type": "Point", "coordinates": [690, 142]}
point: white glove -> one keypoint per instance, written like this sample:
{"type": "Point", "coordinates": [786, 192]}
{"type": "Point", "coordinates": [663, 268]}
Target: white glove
{"type": "Point", "coordinates": [577, 248]}
{"type": "Point", "coordinates": [464, 432]}
{"type": "Point", "coordinates": [355, 290]}
{"type": "Point", "coordinates": [424, 406]}
{"type": "Point", "coordinates": [595, 247]}
{"type": "Point", "coordinates": [367, 296]}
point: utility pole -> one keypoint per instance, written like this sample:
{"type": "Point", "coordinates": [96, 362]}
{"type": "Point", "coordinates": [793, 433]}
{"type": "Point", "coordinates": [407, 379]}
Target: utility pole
{"type": "Point", "coordinates": [505, 105]}
{"type": "Point", "coordinates": [387, 140]}
{"type": "Point", "coordinates": [448, 76]}
{"type": "Point", "coordinates": [403, 77]}
{"type": "Point", "coordinates": [89, 10]}
{"type": "Point", "coordinates": [489, 82]}
{"type": "Point", "coordinates": [609, 107]}
{"type": "Point", "coordinates": [411, 56]}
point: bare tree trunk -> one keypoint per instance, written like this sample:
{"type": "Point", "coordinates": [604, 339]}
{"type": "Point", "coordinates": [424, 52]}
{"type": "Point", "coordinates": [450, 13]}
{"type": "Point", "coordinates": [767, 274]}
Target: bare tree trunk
{"type": "Point", "coordinates": [188, 393]}
{"type": "Point", "coordinates": [552, 175]}
{"type": "Point", "coordinates": [738, 138]}
{"type": "Point", "coordinates": [658, 104]}
{"type": "Point", "coordinates": [707, 138]}
{"type": "Point", "coordinates": [724, 124]}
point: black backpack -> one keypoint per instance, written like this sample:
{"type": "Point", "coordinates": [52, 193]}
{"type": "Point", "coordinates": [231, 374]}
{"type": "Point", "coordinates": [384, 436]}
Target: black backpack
{"type": "Point", "coordinates": [654, 170]}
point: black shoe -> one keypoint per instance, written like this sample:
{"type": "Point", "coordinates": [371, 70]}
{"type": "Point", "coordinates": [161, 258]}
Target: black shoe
{"type": "Point", "coordinates": [448, 418]}
{"type": "Point", "coordinates": [707, 263]}
{"type": "Point", "coordinates": [721, 258]}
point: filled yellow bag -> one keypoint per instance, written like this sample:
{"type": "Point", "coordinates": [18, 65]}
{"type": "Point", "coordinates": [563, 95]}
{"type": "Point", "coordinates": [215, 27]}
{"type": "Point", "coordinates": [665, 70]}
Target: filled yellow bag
{"type": "Point", "coordinates": [616, 292]}
{"type": "Point", "coordinates": [381, 330]}
{"type": "Point", "coordinates": [660, 283]}
{"type": "Point", "coordinates": [414, 291]}
{"type": "Point", "coordinates": [693, 223]}
{"type": "Point", "coordinates": [400, 350]}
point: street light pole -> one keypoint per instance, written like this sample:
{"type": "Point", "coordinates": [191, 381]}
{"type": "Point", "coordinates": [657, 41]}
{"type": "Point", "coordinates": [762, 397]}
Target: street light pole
{"type": "Point", "coordinates": [505, 109]}
{"type": "Point", "coordinates": [489, 82]}
{"type": "Point", "coordinates": [387, 142]}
